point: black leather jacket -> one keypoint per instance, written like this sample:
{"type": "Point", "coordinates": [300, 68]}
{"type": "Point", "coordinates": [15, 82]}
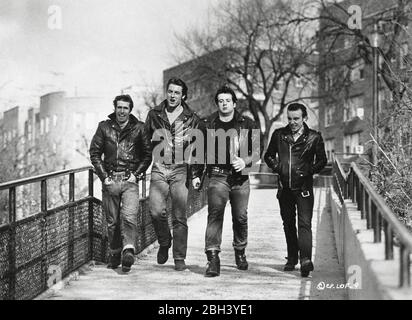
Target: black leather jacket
{"type": "Point", "coordinates": [296, 162]}
{"type": "Point", "coordinates": [157, 119]}
{"type": "Point", "coordinates": [248, 142]}
{"type": "Point", "coordinates": [124, 150]}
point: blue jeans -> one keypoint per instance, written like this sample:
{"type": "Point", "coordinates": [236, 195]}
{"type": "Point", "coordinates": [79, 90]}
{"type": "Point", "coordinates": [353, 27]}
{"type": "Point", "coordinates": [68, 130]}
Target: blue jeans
{"type": "Point", "coordinates": [121, 204]}
{"type": "Point", "coordinates": [299, 241]}
{"type": "Point", "coordinates": [223, 187]}
{"type": "Point", "coordinates": [171, 179]}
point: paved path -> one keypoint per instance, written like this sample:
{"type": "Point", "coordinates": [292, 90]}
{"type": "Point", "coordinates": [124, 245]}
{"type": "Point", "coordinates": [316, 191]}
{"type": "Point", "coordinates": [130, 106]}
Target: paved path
{"type": "Point", "coordinates": [265, 279]}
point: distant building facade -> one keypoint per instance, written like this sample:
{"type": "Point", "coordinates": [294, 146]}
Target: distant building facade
{"type": "Point", "coordinates": [345, 116]}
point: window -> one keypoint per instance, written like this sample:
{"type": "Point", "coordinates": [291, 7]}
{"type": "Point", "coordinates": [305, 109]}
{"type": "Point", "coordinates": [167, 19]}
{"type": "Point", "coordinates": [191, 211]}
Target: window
{"type": "Point", "coordinates": [54, 147]}
{"type": "Point", "coordinates": [358, 71]}
{"type": "Point", "coordinates": [403, 56]}
{"type": "Point", "coordinates": [329, 116]}
{"type": "Point", "coordinates": [352, 108]}
{"type": "Point", "coordinates": [54, 120]}
{"type": "Point", "coordinates": [351, 144]}
{"type": "Point", "coordinates": [47, 124]}
{"type": "Point", "coordinates": [330, 149]}
{"type": "Point", "coordinates": [29, 132]}
{"type": "Point", "coordinates": [42, 126]}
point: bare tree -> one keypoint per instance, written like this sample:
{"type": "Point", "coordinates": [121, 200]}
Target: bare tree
{"type": "Point", "coordinates": [259, 53]}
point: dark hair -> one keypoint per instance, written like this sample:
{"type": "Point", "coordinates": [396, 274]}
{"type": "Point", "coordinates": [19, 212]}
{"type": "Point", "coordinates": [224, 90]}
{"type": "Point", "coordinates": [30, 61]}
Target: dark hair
{"type": "Point", "coordinates": [178, 82]}
{"type": "Point", "coordinates": [125, 98]}
{"type": "Point", "coordinates": [225, 89]}
{"type": "Point", "coordinates": [298, 106]}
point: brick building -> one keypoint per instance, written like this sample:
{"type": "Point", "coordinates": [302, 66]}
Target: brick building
{"type": "Point", "coordinates": [346, 119]}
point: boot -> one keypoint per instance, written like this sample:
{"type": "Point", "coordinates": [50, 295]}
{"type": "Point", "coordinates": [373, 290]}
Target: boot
{"type": "Point", "coordinates": [127, 260]}
{"type": "Point", "coordinates": [213, 265]}
{"type": "Point", "coordinates": [240, 258]}
{"type": "Point", "coordinates": [114, 260]}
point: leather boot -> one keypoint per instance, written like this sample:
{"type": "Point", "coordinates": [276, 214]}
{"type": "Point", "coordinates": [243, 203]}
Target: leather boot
{"type": "Point", "coordinates": [213, 264]}
{"type": "Point", "coordinates": [240, 258]}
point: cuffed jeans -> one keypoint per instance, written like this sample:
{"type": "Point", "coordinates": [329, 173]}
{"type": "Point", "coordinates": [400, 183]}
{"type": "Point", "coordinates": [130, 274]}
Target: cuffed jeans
{"type": "Point", "coordinates": [222, 188]}
{"type": "Point", "coordinates": [300, 240]}
{"type": "Point", "coordinates": [171, 179]}
{"type": "Point", "coordinates": [121, 204]}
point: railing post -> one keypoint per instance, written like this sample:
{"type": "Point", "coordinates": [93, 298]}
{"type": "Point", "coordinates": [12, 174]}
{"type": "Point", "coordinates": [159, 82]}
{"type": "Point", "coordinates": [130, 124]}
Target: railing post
{"type": "Point", "coordinates": [12, 244]}
{"type": "Point", "coordinates": [91, 183]}
{"type": "Point", "coordinates": [70, 247]}
{"type": "Point", "coordinates": [404, 274]}
{"type": "Point", "coordinates": [43, 195]}
{"type": "Point", "coordinates": [91, 220]}
{"type": "Point", "coordinates": [369, 216]}
{"type": "Point", "coordinates": [388, 240]}
{"type": "Point", "coordinates": [363, 205]}
{"type": "Point", "coordinates": [377, 237]}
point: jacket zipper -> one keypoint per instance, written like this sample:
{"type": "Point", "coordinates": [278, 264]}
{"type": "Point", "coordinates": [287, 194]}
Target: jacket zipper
{"type": "Point", "coordinates": [117, 151]}
{"type": "Point", "coordinates": [290, 166]}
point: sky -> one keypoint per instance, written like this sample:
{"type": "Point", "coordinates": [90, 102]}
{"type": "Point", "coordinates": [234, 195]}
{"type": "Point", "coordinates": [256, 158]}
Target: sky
{"type": "Point", "coordinates": [88, 47]}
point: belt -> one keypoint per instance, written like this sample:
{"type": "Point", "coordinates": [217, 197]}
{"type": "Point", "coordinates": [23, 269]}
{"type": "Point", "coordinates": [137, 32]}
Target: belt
{"type": "Point", "coordinates": [222, 171]}
{"type": "Point", "coordinates": [119, 175]}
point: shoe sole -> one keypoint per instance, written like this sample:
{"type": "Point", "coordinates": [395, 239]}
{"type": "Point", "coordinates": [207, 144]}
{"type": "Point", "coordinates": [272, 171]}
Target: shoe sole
{"type": "Point", "coordinates": [289, 269]}
{"type": "Point", "coordinates": [243, 268]}
{"type": "Point", "coordinates": [212, 274]}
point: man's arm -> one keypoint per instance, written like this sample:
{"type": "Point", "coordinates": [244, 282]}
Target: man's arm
{"type": "Point", "coordinates": [320, 156]}
{"type": "Point", "coordinates": [145, 147]}
{"type": "Point", "coordinates": [96, 151]}
{"type": "Point", "coordinates": [271, 152]}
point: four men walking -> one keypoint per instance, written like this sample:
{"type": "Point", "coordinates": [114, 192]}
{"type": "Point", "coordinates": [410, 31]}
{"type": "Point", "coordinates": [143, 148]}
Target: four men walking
{"type": "Point", "coordinates": [123, 148]}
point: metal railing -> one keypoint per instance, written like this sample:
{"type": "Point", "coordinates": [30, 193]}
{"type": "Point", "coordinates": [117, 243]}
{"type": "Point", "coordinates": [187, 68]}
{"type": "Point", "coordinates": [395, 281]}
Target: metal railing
{"type": "Point", "coordinates": [379, 217]}
{"type": "Point", "coordinates": [53, 236]}
{"type": "Point", "coordinates": [65, 237]}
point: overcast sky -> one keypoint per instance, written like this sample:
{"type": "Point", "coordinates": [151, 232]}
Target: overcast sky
{"type": "Point", "coordinates": [102, 46]}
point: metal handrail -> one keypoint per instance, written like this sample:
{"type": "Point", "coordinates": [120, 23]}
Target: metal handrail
{"type": "Point", "coordinates": [378, 215]}
{"type": "Point", "coordinates": [39, 178]}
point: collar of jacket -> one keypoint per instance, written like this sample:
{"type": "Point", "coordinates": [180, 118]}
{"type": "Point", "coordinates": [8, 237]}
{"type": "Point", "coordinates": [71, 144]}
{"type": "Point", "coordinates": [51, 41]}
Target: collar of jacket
{"type": "Point", "coordinates": [161, 109]}
{"type": "Point", "coordinates": [132, 121]}
{"type": "Point", "coordinates": [237, 116]}
{"type": "Point", "coordinates": [288, 133]}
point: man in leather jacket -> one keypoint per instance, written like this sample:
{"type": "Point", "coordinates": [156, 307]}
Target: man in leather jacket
{"type": "Point", "coordinates": [126, 150]}
{"type": "Point", "coordinates": [295, 153]}
{"type": "Point", "coordinates": [170, 127]}
{"type": "Point", "coordinates": [233, 146]}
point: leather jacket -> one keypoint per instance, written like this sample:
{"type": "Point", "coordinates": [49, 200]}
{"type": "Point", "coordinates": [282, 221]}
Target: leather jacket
{"type": "Point", "coordinates": [296, 162]}
{"type": "Point", "coordinates": [180, 132]}
{"type": "Point", "coordinates": [126, 150]}
{"type": "Point", "coordinates": [247, 141]}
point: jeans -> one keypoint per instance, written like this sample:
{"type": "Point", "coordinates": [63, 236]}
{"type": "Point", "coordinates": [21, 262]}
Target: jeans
{"type": "Point", "coordinates": [223, 187]}
{"type": "Point", "coordinates": [300, 240]}
{"type": "Point", "coordinates": [121, 204]}
{"type": "Point", "coordinates": [171, 179]}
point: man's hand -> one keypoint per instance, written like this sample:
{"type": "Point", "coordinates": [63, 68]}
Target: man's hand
{"type": "Point", "coordinates": [108, 181]}
{"type": "Point", "coordinates": [196, 183]}
{"type": "Point", "coordinates": [132, 178]}
{"type": "Point", "coordinates": [238, 164]}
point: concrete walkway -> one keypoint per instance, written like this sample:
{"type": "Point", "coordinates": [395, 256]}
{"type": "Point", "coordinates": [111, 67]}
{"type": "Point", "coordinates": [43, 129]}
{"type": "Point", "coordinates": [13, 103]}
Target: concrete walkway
{"type": "Point", "coordinates": [265, 279]}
